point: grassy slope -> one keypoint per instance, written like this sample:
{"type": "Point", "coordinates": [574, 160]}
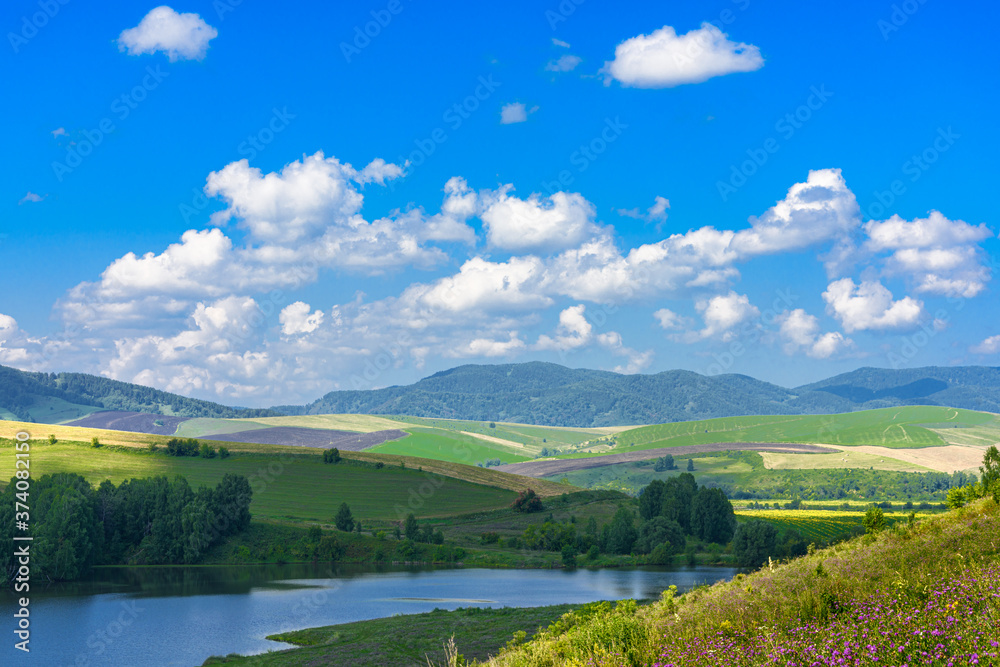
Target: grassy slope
{"type": "Point", "coordinates": [405, 640]}
{"type": "Point", "coordinates": [888, 427]}
{"type": "Point", "coordinates": [745, 621]}
{"type": "Point", "coordinates": [449, 446]}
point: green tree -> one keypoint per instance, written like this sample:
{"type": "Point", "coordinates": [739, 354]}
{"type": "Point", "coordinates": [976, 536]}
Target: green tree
{"type": "Point", "coordinates": [754, 542]}
{"type": "Point", "coordinates": [207, 451]}
{"type": "Point", "coordinates": [690, 465]}
{"type": "Point", "coordinates": [94, 442]}
{"type": "Point", "coordinates": [569, 555]}
{"type": "Point", "coordinates": [657, 531]}
{"type": "Point", "coordinates": [989, 473]}
{"type": "Point", "coordinates": [620, 534]}
{"type": "Point", "coordinates": [651, 499]}
{"type": "Point", "coordinates": [344, 521]}
{"type": "Point", "coordinates": [712, 516]}
{"type": "Point", "coordinates": [411, 528]}
{"type": "Point", "coordinates": [223, 453]}
{"type": "Point", "coordinates": [331, 456]}
{"type": "Point", "coordinates": [874, 520]}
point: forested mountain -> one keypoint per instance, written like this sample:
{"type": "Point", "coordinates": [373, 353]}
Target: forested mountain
{"type": "Point", "coordinates": [542, 393]}
{"type": "Point", "coordinates": [23, 394]}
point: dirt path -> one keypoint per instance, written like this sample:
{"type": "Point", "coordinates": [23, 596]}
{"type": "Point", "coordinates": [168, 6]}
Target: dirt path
{"type": "Point", "coordinates": [559, 466]}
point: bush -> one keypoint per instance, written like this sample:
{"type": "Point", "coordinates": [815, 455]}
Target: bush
{"type": "Point", "coordinates": [568, 556]}
{"type": "Point", "coordinates": [874, 520]}
{"type": "Point", "coordinates": [94, 442]}
{"type": "Point", "coordinates": [527, 501]}
{"type": "Point", "coordinates": [52, 439]}
{"type": "Point", "coordinates": [223, 453]}
{"type": "Point", "coordinates": [331, 456]}
{"type": "Point", "coordinates": [207, 451]}
{"type": "Point", "coordinates": [489, 538]}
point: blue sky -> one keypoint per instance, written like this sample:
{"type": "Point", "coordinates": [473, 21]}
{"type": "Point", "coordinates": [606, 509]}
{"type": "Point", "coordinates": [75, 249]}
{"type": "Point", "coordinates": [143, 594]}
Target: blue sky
{"type": "Point", "coordinates": [257, 203]}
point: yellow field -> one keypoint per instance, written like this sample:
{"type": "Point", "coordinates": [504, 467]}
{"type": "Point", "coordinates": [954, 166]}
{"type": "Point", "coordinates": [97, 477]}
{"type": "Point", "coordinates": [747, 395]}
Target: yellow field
{"type": "Point", "coordinates": [850, 458]}
{"type": "Point", "coordinates": [358, 423]}
{"type": "Point", "coordinates": [819, 525]}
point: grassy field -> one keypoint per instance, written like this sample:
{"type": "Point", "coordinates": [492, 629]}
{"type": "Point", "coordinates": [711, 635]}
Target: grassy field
{"type": "Point", "coordinates": [841, 460]}
{"type": "Point", "coordinates": [905, 427]}
{"type": "Point", "coordinates": [299, 488]}
{"type": "Point", "coordinates": [449, 446]}
{"type": "Point", "coordinates": [405, 640]}
{"type": "Point", "coordinates": [819, 526]}
{"type": "Point", "coordinates": [743, 475]}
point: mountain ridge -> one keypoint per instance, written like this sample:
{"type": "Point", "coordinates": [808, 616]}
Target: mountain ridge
{"type": "Point", "coordinates": [544, 393]}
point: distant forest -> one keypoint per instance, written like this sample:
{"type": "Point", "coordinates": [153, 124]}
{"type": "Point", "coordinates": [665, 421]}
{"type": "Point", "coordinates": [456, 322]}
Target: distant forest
{"type": "Point", "coordinates": [549, 394]}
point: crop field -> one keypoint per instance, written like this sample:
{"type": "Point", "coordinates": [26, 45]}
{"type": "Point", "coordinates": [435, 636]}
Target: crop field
{"type": "Point", "coordinates": [289, 488]}
{"type": "Point", "coordinates": [905, 427]}
{"type": "Point", "coordinates": [846, 459]}
{"type": "Point", "coordinates": [357, 423]}
{"type": "Point", "coordinates": [534, 437]}
{"type": "Point", "coordinates": [815, 525]}
{"type": "Point", "coordinates": [448, 446]}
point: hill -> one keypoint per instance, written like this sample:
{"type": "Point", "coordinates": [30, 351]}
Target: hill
{"type": "Point", "coordinates": [549, 394]}
{"type": "Point", "coordinates": [51, 398]}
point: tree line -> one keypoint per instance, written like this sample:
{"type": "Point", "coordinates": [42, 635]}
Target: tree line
{"type": "Point", "coordinates": [151, 521]}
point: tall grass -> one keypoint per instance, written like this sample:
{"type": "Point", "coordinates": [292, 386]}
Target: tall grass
{"type": "Point", "coordinates": [921, 594]}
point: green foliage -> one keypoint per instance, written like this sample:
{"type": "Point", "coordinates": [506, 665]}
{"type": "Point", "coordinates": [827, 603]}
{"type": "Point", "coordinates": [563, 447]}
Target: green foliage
{"type": "Point", "coordinates": [989, 473]}
{"type": "Point", "coordinates": [223, 452]}
{"type": "Point", "coordinates": [52, 439]}
{"type": "Point", "coordinates": [690, 466]}
{"type": "Point", "coordinates": [620, 535]}
{"type": "Point", "coordinates": [874, 520]}
{"type": "Point", "coordinates": [663, 463]}
{"type": "Point", "coordinates": [94, 442]}
{"type": "Point", "coordinates": [206, 451]}
{"type": "Point", "coordinates": [183, 447]}
{"type": "Point", "coordinates": [527, 501]}
{"type": "Point", "coordinates": [660, 531]}
{"type": "Point", "coordinates": [569, 555]}
{"type": "Point", "coordinates": [410, 527]}
{"type": "Point", "coordinates": [712, 516]}
{"type": "Point", "coordinates": [755, 541]}
{"type": "Point", "coordinates": [344, 521]}
{"type": "Point", "coordinates": [331, 455]}
{"type": "Point", "coordinates": [142, 521]}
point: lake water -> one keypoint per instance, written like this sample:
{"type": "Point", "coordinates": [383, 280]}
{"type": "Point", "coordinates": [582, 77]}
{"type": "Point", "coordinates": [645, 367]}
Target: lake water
{"type": "Point", "coordinates": [181, 616]}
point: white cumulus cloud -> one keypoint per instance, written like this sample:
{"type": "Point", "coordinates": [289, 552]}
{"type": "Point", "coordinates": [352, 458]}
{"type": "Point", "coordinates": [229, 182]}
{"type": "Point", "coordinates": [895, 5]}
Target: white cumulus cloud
{"type": "Point", "coordinates": [801, 331]}
{"type": "Point", "coordinates": [663, 58]}
{"type": "Point", "coordinates": [295, 318]}
{"type": "Point", "coordinates": [515, 112]}
{"type": "Point", "coordinates": [180, 36]}
{"type": "Point", "coordinates": [989, 345]}
{"type": "Point", "coordinates": [561, 220]}
{"type": "Point", "coordinates": [870, 306]}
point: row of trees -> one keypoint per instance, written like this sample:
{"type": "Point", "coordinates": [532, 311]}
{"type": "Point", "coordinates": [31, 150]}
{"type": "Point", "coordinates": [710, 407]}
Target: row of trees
{"type": "Point", "coordinates": [141, 521]}
{"type": "Point", "coordinates": [191, 447]}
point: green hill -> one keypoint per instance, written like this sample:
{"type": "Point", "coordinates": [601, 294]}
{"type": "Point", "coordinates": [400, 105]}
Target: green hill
{"type": "Point", "coordinates": [549, 394]}
{"type": "Point", "coordinates": [51, 398]}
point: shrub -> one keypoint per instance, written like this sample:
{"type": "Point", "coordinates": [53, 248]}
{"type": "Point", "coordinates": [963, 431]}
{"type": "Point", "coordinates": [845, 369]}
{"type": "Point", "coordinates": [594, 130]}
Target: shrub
{"type": "Point", "coordinates": [331, 456]}
{"type": "Point", "coordinates": [207, 451]}
{"type": "Point", "coordinates": [527, 501]}
{"type": "Point", "coordinates": [223, 453]}
{"type": "Point", "coordinates": [94, 442]}
{"type": "Point", "coordinates": [52, 439]}
{"type": "Point", "coordinates": [568, 556]}
{"type": "Point", "coordinates": [874, 520]}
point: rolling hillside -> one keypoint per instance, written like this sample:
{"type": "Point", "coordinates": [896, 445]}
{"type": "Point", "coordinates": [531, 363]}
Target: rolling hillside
{"type": "Point", "coordinates": [549, 394]}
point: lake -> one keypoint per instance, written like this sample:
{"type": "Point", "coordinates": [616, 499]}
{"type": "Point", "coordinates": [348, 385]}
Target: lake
{"type": "Point", "coordinates": [181, 616]}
